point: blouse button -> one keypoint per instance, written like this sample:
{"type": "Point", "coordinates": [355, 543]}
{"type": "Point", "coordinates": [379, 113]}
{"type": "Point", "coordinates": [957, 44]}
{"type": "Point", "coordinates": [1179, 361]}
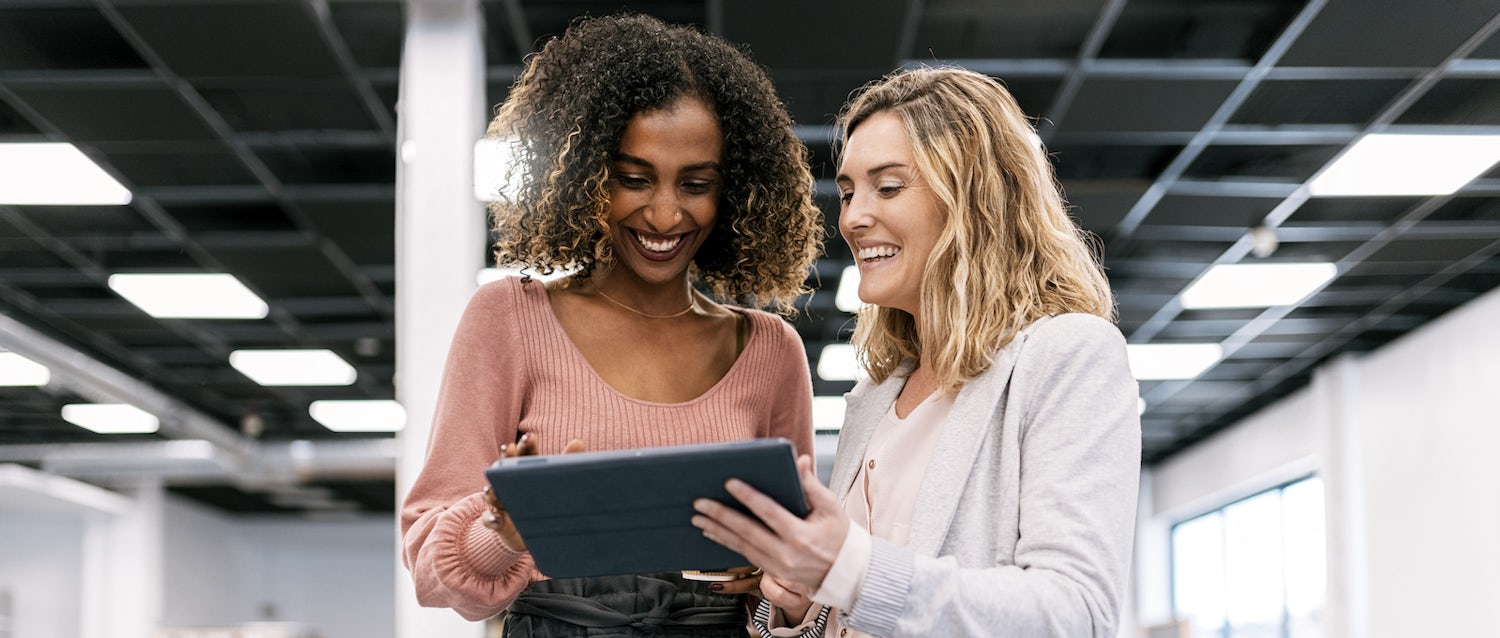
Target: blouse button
{"type": "Point", "coordinates": [872, 464]}
{"type": "Point", "coordinates": [844, 631]}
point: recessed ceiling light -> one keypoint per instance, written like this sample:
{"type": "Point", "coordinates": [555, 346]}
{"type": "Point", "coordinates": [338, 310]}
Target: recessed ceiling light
{"type": "Point", "coordinates": [487, 275]}
{"type": "Point", "coordinates": [293, 367]}
{"type": "Point", "coordinates": [359, 416]}
{"type": "Point", "coordinates": [1257, 285]}
{"type": "Point", "coordinates": [189, 296]}
{"type": "Point", "coordinates": [492, 162]}
{"type": "Point", "coordinates": [110, 418]}
{"type": "Point", "coordinates": [16, 370]}
{"type": "Point", "coordinates": [1397, 164]}
{"type": "Point", "coordinates": [847, 297]}
{"type": "Point", "coordinates": [828, 413]}
{"type": "Point", "coordinates": [837, 362]}
{"type": "Point", "coordinates": [55, 173]}
{"type": "Point", "coordinates": [1158, 361]}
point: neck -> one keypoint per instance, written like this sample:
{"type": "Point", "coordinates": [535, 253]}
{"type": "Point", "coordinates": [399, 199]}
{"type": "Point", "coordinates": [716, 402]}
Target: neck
{"type": "Point", "coordinates": [658, 300]}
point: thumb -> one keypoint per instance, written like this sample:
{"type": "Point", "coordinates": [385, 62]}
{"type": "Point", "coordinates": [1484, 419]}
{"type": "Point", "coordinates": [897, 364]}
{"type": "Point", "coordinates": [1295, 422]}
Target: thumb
{"type": "Point", "coordinates": [576, 445]}
{"type": "Point", "coordinates": [819, 498]}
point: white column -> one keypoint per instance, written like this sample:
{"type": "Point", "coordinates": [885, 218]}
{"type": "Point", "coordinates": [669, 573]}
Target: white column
{"type": "Point", "coordinates": [1336, 386]}
{"type": "Point", "coordinates": [440, 238]}
{"type": "Point", "coordinates": [123, 561]}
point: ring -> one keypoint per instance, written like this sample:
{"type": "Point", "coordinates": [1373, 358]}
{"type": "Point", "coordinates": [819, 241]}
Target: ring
{"type": "Point", "coordinates": [756, 572]}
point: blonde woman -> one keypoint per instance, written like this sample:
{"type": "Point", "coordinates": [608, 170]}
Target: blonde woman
{"type": "Point", "coordinates": [985, 480]}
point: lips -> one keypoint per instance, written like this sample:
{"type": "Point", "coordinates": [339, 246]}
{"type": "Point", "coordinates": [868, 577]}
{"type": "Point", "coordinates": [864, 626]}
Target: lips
{"type": "Point", "coordinates": [657, 247]}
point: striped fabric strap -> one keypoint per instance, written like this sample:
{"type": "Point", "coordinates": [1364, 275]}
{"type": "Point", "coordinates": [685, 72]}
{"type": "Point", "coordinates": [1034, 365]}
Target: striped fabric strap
{"type": "Point", "coordinates": [762, 621]}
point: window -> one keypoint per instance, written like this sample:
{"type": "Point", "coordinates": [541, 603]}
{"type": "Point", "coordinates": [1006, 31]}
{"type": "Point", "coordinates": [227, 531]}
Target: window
{"type": "Point", "coordinates": [1255, 568]}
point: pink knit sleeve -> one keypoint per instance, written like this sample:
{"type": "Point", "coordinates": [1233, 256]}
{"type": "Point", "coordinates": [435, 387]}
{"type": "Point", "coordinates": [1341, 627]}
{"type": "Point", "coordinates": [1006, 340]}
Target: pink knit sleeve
{"type": "Point", "coordinates": [790, 391]}
{"type": "Point", "coordinates": [454, 559]}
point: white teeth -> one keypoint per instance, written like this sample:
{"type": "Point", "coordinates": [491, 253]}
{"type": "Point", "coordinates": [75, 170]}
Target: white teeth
{"type": "Point", "coordinates": [659, 246]}
{"type": "Point", "coordinates": [876, 252]}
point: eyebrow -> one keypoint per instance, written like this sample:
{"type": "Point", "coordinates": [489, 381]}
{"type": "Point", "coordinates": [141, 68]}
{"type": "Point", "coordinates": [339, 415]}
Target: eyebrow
{"type": "Point", "coordinates": [873, 171]}
{"type": "Point", "coordinates": [631, 159]}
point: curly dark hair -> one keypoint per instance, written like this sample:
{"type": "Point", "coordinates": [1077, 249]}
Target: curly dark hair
{"type": "Point", "coordinates": [563, 122]}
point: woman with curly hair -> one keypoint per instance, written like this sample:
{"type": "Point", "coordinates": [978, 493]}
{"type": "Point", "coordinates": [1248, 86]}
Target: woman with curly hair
{"type": "Point", "coordinates": [985, 481]}
{"type": "Point", "coordinates": [654, 163]}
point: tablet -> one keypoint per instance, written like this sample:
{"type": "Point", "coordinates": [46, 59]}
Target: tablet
{"type": "Point", "coordinates": [629, 511]}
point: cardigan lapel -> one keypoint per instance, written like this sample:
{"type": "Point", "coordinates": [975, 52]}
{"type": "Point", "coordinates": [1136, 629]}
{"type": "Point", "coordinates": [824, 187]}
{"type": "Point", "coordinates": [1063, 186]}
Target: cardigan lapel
{"type": "Point", "coordinates": [947, 473]}
{"type": "Point", "coordinates": [866, 405]}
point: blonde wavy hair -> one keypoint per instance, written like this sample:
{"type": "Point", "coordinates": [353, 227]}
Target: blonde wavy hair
{"type": "Point", "coordinates": [1008, 253]}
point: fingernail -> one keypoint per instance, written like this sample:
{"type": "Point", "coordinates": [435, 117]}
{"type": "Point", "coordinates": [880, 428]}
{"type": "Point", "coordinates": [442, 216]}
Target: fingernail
{"type": "Point", "coordinates": [716, 587]}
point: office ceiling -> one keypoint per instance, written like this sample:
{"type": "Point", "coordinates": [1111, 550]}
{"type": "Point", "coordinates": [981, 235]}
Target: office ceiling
{"type": "Point", "coordinates": [257, 138]}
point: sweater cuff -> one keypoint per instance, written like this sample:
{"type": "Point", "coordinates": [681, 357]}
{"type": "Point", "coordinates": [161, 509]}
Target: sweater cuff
{"type": "Point", "coordinates": [482, 548]}
{"type": "Point", "coordinates": [882, 595]}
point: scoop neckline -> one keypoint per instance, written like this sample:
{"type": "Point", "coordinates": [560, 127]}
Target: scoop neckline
{"type": "Point", "coordinates": [577, 354]}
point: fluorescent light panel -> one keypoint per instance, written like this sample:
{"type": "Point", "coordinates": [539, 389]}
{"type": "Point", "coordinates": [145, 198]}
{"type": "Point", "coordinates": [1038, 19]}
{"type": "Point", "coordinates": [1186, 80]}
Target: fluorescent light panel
{"type": "Point", "coordinates": [55, 173]}
{"type": "Point", "coordinates": [1257, 285]}
{"type": "Point", "coordinates": [847, 297]}
{"type": "Point", "coordinates": [293, 367]}
{"type": "Point", "coordinates": [1398, 164]}
{"type": "Point", "coordinates": [359, 416]}
{"type": "Point", "coordinates": [189, 296]}
{"type": "Point", "coordinates": [110, 418]}
{"type": "Point", "coordinates": [16, 370]}
{"type": "Point", "coordinates": [837, 363]}
{"type": "Point", "coordinates": [1172, 360]}
{"type": "Point", "coordinates": [828, 413]}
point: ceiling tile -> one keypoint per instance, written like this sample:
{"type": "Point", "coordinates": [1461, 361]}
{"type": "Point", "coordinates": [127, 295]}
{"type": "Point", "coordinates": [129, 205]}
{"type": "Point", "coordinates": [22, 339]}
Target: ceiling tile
{"type": "Point", "coordinates": [1144, 105]}
{"type": "Point", "coordinates": [62, 38]}
{"type": "Point", "coordinates": [117, 114]}
{"type": "Point", "coordinates": [304, 107]}
{"type": "Point", "coordinates": [1174, 29]}
{"type": "Point", "coordinates": [1387, 33]}
{"type": "Point", "coordinates": [1287, 102]}
{"type": "Point", "coordinates": [235, 40]}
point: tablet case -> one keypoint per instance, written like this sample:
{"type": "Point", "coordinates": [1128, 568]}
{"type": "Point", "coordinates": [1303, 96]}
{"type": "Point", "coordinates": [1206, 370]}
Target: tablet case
{"type": "Point", "coordinates": [629, 511]}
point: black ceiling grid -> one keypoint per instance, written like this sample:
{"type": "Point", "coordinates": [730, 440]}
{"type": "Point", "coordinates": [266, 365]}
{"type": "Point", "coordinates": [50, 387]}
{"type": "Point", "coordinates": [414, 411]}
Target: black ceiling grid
{"type": "Point", "coordinates": [257, 137]}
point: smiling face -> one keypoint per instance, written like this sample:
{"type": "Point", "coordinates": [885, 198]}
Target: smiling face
{"type": "Point", "coordinates": [664, 190]}
{"type": "Point", "coordinates": [887, 213]}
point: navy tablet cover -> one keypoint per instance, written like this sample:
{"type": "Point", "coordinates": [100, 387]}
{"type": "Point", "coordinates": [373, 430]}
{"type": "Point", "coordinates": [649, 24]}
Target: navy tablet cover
{"type": "Point", "coordinates": [629, 511]}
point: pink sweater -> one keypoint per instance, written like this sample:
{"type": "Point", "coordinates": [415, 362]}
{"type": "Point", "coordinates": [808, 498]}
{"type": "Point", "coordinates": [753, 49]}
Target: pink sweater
{"type": "Point", "coordinates": [512, 369]}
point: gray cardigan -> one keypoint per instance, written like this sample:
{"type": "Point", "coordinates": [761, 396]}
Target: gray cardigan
{"type": "Point", "coordinates": [1024, 519]}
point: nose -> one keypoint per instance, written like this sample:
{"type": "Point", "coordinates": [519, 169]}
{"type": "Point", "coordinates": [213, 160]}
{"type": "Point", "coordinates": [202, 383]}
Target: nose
{"type": "Point", "coordinates": [854, 214]}
{"type": "Point", "coordinates": [662, 210]}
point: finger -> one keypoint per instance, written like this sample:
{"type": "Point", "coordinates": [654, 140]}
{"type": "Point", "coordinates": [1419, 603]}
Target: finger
{"type": "Point", "coordinates": [746, 585]}
{"type": "Point", "coordinates": [507, 450]}
{"type": "Point", "coordinates": [576, 445]}
{"type": "Point", "coordinates": [772, 590]}
{"type": "Point", "coordinates": [744, 536]}
{"type": "Point", "coordinates": [771, 513]}
{"type": "Point", "coordinates": [527, 445]}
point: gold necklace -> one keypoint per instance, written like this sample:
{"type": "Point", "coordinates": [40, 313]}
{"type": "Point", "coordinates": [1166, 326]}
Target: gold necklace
{"type": "Point", "coordinates": [692, 304]}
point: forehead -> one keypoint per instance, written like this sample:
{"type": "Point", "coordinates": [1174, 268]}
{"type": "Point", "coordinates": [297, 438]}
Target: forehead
{"type": "Point", "coordinates": [879, 139]}
{"type": "Point", "coordinates": [686, 126]}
